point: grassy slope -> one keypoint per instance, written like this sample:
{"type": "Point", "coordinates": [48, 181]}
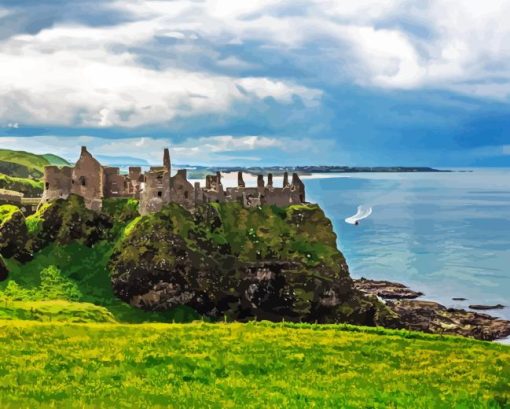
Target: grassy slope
{"type": "Point", "coordinates": [55, 160]}
{"type": "Point", "coordinates": [245, 365]}
{"type": "Point", "coordinates": [54, 310]}
{"type": "Point", "coordinates": [23, 158]}
{"type": "Point", "coordinates": [26, 163]}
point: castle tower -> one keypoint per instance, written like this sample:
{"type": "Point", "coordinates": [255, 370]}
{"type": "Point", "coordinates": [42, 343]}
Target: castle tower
{"type": "Point", "coordinates": [240, 180]}
{"type": "Point", "coordinates": [260, 184]}
{"type": "Point", "coordinates": [166, 160]}
{"type": "Point", "coordinates": [299, 187]}
{"type": "Point", "coordinates": [270, 180]}
{"type": "Point", "coordinates": [87, 180]}
{"type": "Point", "coordinates": [218, 181]}
{"type": "Point", "coordinates": [285, 179]}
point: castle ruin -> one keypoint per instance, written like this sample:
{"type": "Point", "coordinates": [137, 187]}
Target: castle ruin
{"type": "Point", "coordinates": [157, 187]}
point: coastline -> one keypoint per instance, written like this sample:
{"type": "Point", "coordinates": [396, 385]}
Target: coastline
{"type": "Point", "coordinates": [417, 313]}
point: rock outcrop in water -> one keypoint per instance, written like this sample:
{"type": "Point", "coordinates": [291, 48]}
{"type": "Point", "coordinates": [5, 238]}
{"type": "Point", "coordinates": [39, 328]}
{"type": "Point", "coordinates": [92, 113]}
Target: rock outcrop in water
{"type": "Point", "coordinates": [428, 316]}
{"type": "Point", "coordinates": [386, 289]}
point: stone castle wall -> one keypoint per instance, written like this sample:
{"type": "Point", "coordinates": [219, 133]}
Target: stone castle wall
{"type": "Point", "coordinates": [57, 182]}
{"type": "Point", "coordinates": [156, 187]}
{"type": "Point", "coordinates": [88, 180]}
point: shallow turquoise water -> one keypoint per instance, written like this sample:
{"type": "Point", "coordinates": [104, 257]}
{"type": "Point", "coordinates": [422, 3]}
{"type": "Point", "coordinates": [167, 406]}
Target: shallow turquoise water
{"type": "Point", "coordinates": [445, 234]}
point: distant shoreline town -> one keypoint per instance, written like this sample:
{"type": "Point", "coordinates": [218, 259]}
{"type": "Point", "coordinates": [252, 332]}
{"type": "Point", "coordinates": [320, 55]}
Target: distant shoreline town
{"type": "Point", "coordinates": [330, 169]}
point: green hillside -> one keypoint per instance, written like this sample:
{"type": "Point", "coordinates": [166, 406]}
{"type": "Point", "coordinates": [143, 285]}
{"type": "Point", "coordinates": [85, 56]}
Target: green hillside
{"type": "Point", "coordinates": [55, 160]}
{"type": "Point", "coordinates": [25, 164]}
{"type": "Point", "coordinates": [256, 365]}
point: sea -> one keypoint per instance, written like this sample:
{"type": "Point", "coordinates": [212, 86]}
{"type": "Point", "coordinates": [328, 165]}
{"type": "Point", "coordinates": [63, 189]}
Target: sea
{"type": "Point", "coordinates": [445, 234]}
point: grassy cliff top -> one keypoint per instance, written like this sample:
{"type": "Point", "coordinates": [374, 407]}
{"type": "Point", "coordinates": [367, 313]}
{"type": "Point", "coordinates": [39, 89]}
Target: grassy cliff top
{"type": "Point", "coordinates": [246, 365]}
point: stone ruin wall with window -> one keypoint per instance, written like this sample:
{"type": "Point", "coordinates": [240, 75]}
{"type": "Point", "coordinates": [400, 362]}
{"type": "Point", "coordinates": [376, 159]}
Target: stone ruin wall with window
{"type": "Point", "coordinates": [156, 187]}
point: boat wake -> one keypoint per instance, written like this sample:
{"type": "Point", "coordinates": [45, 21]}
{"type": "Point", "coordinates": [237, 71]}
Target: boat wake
{"type": "Point", "coordinates": [362, 213]}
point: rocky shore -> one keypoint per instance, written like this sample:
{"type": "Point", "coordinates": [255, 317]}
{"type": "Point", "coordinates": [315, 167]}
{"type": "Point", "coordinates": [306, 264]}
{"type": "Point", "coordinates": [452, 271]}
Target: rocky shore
{"type": "Point", "coordinates": [386, 289]}
{"type": "Point", "coordinates": [432, 317]}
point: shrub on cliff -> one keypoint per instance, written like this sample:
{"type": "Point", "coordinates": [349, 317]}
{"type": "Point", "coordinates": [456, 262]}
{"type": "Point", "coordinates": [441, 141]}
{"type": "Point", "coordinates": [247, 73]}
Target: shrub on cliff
{"type": "Point", "coordinates": [269, 263]}
{"type": "Point", "coordinates": [120, 209]}
{"type": "Point", "coordinates": [53, 286]}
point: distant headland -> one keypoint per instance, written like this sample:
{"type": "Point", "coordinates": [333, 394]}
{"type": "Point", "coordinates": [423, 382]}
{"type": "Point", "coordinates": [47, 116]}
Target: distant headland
{"type": "Point", "coordinates": [199, 171]}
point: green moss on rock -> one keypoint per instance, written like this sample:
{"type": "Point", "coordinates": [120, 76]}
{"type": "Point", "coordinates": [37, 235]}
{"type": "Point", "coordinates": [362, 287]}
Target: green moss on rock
{"type": "Point", "coordinates": [64, 221]}
{"type": "Point", "coordinates": [121, 209]}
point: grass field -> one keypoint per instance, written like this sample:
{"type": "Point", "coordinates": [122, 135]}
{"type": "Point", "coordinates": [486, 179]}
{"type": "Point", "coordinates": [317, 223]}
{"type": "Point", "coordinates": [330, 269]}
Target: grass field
{"type": "Point", "coordinates": [258, 365]}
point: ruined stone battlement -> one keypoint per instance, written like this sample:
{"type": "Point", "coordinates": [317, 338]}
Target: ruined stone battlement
{"type": "Point", "coordinates": [156, 187]}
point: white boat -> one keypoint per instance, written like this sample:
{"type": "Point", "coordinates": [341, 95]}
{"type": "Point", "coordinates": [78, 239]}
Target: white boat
{"type": "Point", "coordinates": [362, 213]}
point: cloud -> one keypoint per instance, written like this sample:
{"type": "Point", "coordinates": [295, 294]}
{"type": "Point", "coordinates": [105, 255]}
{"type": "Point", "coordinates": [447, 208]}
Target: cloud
{"type": "Point", "coordinates": [87, 76]}
{"type": "Point", "coordinates": [156, 62]}
{"type": "Point", "coordinates": [398, 44]}
{"type": "Point", "coordinates": [4, 12]}
{"type": "Point", "coordinates": [220, 149]}
{"type": "Point", "coordinates": [228, 143]}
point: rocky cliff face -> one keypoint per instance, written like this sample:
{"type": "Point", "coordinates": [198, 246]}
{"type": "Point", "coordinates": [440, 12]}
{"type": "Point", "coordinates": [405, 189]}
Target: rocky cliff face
{"type": "Point", "coordinates": [224, 260]}
{"type": "Point", "coordinates": [4, 272]}
{"type": "Point", "coordinates": [13, 232]}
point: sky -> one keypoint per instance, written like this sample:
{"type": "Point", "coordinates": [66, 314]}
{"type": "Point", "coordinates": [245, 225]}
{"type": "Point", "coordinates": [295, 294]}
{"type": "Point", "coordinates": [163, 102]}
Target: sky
{"type": "Point", "coordinates": [259, 82]}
